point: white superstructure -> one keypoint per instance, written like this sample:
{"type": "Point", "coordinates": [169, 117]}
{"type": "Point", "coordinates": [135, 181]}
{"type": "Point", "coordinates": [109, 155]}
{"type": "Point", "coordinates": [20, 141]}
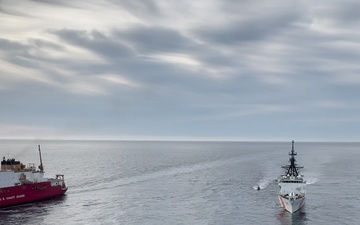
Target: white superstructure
{"type": "Point", "coordinates": [292, 186]}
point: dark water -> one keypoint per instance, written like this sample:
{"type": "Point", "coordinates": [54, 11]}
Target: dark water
{"type": "Point", "coordinates": [187, 182]}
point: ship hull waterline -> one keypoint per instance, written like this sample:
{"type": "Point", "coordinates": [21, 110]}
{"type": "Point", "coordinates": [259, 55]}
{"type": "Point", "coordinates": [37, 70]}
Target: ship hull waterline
{"type": "Point", "coordinates": [26, 193]}
{"type": "Point", "coordinates": [292, 205]}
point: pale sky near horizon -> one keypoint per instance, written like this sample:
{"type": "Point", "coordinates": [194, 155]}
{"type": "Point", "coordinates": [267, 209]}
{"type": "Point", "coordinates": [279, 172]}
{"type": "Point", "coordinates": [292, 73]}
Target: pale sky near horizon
{"type": "Point", "coordinates": [180, 70]}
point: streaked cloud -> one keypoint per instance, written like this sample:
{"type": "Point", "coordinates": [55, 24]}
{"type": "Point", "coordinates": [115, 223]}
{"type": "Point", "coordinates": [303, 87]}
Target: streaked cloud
{"type": "Point", "coordinates": [116, 79]}
{"type": "Point", "coordinates": [180, 68]}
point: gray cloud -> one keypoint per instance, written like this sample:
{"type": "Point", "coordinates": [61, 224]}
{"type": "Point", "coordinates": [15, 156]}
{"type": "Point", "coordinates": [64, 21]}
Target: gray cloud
{"type": "Point", "coordinates": [345, 14]}
{"type": "Point", "coordinates": [95, 41]}
{"type": "Point", "coordinates": [156, 39]}
{"type": "Point", "coordinates": [253, 29]}
{"type": "Point", "coordinates": [249, 70]}
{"type": "Point", "coordinates": [7, 45]}
{"type": "Point", "coordinates": [140, 8]}
{"type": "Point", "coordinates": [11, 12]}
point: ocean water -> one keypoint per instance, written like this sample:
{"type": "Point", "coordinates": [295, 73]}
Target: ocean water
{"type": "Point", "coordinates": [131, 182]}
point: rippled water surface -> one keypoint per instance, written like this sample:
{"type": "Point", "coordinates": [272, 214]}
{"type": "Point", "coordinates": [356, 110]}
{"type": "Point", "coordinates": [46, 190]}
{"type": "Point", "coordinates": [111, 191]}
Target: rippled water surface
{"type": "Point", "coordinates": [119, 182]}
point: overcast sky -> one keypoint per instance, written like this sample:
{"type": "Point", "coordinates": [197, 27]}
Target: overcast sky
{"type": "Point", "coordinates": [180, 69]}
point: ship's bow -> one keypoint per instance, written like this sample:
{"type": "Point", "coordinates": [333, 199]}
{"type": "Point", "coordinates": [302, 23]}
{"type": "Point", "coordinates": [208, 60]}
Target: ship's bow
{"type": "Point", "coordinates": [292, 205]}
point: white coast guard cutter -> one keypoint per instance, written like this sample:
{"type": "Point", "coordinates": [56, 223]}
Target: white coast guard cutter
{"type": "Point", "coordinates": [292, 185]}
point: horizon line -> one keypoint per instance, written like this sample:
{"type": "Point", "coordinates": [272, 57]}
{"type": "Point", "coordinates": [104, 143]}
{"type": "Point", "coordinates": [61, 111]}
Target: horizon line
{"type": "Point", "coordinates": [174, 139]}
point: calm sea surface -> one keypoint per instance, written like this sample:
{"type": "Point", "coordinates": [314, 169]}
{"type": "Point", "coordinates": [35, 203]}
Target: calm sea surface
{"type": "Point", "coordinates": [120, 182]}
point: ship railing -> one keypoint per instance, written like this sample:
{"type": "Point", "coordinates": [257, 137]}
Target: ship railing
{"type": "Point", "coordinates": [291, 181]}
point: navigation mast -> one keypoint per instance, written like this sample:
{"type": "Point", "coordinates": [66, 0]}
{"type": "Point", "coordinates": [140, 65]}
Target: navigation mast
{"type": "Point", "coordinates": [292, 169]}
{"type": "Point", "coordinates": [41, 167]}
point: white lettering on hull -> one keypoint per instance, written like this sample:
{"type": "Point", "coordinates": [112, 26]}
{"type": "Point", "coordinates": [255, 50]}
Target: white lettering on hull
{"type": "Point", "coordinates": [12, 197]}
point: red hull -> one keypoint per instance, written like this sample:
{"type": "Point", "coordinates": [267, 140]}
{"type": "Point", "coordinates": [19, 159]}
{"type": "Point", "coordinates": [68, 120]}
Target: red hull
{"type": "Point", "coordinates": [28, 193]}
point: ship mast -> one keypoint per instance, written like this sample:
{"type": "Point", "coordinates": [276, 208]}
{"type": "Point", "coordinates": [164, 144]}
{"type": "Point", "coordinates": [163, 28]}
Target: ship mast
{"type": "Point", "coordinates": [292, 169]}
{"type": "Point", "coordinates": [41, 167]}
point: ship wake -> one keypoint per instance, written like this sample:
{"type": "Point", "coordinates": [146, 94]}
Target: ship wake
{"type": "Point", "coordinates": [263, 183]}
{"type": "Point", "coordinates": [311, 180]}
{"type": "Point", "coordinates": [267, 179]}
{"type": "Point", "coordinates": [170, 172]}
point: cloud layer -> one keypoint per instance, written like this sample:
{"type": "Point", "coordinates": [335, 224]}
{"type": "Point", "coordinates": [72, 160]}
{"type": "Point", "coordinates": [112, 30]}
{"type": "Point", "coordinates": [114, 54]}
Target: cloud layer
{"type": "Point", "coordinates": [241, 70]}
